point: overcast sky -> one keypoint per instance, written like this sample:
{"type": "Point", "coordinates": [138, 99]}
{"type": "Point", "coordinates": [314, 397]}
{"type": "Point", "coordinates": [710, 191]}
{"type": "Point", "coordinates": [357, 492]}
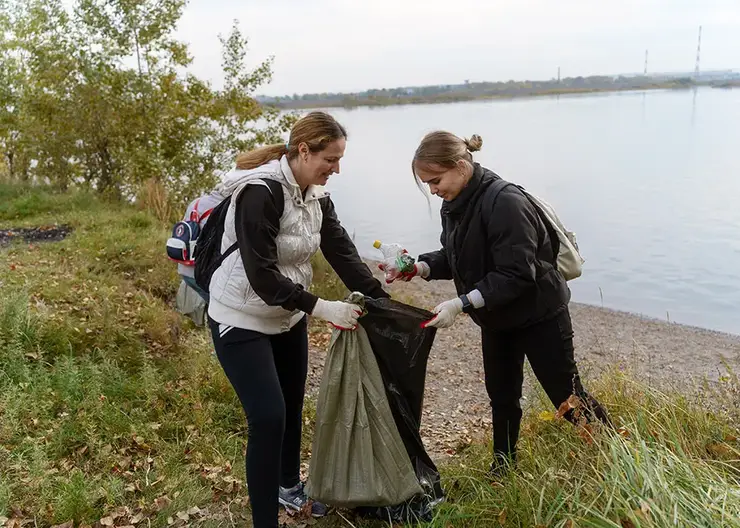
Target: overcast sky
{"type": "Point", "coordinates": [346, 45]}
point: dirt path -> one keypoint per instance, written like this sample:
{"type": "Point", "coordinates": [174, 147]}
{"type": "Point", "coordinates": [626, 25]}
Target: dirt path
{"type": "Point", "coordinates": [456, 407]}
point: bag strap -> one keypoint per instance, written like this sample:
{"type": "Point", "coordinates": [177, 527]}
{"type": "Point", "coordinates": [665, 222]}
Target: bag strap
{"type": "Point", "coordinates": [205, 215]}
{"type": "Point", "coordinates": [551, 231]}
{"type": "Point", "coordinates": [233, 247]}
{"type": "Point", "coordinates": [276, 189]}
{"type": "Point", "coordinates": [491, 194]}
{"type": "Point", "coordinates": [194, 212]}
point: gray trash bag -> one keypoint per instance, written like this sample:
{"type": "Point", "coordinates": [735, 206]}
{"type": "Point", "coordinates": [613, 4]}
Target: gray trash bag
{"type": "Point", "coordinates": [190, 304]}
{"type": "Point", "coordinates": [358, 456]}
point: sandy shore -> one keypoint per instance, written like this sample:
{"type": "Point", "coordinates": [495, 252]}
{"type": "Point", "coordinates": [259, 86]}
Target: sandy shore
{"type": "Point", "coordinates": [456, 407]}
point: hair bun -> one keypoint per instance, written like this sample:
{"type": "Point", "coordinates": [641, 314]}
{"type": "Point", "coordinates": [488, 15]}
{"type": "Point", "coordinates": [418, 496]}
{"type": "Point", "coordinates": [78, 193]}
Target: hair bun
{"type": "Point", "coordinates": [474, 144]}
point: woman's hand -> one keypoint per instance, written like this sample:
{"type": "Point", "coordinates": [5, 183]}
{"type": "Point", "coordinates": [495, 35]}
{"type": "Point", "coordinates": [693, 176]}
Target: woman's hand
{"type": "Point", "coordinates": [446, 314]}
{"type": "Point", "coordinates": [340, 314]}
{"type": "Point", "coordinates": [421, 269]}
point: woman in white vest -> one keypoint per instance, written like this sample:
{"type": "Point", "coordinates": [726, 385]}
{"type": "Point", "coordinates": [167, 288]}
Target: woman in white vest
{"type": "Point", "coordinates": [280, 216]}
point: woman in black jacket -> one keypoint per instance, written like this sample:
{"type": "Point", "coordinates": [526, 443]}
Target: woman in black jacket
{"type": "Point", "coordinates": [500, 255]}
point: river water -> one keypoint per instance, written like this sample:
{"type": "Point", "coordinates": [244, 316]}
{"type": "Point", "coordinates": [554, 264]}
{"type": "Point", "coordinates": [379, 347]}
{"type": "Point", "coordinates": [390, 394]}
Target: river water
{"type": "Point", "coordinates": [650, 183]}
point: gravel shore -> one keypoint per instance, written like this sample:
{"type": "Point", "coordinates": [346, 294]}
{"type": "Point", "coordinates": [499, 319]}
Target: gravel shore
{"type": "Point", "coordinates": [456, 408]}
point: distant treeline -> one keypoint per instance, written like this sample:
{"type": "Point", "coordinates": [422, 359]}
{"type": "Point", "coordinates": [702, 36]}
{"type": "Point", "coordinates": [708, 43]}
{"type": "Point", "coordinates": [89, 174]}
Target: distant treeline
{"type": "Point", "coordinates": [476, 90]}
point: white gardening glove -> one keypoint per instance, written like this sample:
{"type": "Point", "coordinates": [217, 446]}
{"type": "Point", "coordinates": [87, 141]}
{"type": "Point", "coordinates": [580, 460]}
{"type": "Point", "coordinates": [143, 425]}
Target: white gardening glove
{"type": "Point", "coordinates": [446, 314]}
{"type": "Point", "coordinates": [340, 314]}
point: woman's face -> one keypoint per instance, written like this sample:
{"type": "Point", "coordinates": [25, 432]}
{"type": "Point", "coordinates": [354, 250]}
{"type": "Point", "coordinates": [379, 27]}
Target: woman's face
{"type": "Point", "coordinates": [445, 183]}
{"type": "Point", "coordinates": [315, 168]}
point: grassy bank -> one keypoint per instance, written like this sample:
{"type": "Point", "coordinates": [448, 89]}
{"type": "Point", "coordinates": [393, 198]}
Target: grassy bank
{"type": "Point", "coordinates": [113, 410]}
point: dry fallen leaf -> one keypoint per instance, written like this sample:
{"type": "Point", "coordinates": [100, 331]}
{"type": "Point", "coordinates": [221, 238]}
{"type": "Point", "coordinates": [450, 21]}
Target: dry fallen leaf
{"type": "Point", "coordinates": [719, 450]}
{"type": "Point", "coordinates": [160, 503]}
{"type": "Point", "coordinates": [119, 512]}
{"type": "Point", "coordinates": [284, 518]}
{"type": "Point", "coordinates": [586, 432]}
{"type": "Point", "coordinates": [502, 517]}
{"type": "Point", "coordinates": [106, 521]}
{"type": "Point", "coordinates": [626, 523]}
{"type": "Point", "coordinates": [68, 524]}
{"type": "Point", "coordinates": [299, 519]}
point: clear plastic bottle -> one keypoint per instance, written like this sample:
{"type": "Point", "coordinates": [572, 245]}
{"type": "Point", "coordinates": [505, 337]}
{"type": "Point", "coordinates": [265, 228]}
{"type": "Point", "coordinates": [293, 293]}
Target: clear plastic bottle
{"type": "Point", "coordinates": [396, 259]}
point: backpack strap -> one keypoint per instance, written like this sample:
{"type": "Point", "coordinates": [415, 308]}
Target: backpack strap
{"type": "Point", "coordinates": [205, 215]}
{"type": "Point", "coordinates": [194, 212]}
{"type": "Point", "coordinates": [499, 185]}
{"type": "Point", "coordinates": [276, 189]}
{"type": "Point", "coordinates": [491, 194]}
{"type": "Point", "coordinates": [233, 247]}
{"type": "Point", "coordinates": [549, 228]}
{"type": "Point", "coordinates": [197, 217]}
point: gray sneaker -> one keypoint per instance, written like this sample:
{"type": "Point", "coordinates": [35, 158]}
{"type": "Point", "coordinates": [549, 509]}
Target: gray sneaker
{"type": "Point", "coordinates": [295, 498]}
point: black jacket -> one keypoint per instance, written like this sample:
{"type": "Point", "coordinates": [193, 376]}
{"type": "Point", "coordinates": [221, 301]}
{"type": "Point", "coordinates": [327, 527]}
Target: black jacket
{"type": "Point", "coordinates": [494, 240]}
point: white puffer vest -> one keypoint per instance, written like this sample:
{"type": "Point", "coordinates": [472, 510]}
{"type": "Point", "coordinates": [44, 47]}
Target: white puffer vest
{"type": "Point", "coordinates": [233, 301]}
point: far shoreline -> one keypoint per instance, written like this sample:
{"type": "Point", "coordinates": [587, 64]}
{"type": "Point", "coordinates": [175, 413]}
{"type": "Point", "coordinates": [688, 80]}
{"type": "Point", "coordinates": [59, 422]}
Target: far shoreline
{"type": "Point", "coordinates": [350, 102]}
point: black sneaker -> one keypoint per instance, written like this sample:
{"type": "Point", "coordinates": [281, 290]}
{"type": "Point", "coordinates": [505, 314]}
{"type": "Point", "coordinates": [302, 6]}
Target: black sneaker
{"type": "Point", "coordinates": [501, 467]}
{"type": "Point", "coordinates": [295, 498]}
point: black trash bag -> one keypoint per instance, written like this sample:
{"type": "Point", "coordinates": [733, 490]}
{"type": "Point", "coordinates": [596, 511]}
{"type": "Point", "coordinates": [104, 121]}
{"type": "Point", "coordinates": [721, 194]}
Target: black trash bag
{"type": "Point", "coordinates": [401, 348]}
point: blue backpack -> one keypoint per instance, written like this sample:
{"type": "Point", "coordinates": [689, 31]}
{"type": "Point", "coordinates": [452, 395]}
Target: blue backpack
{"type": "Point", "coordinates": [181, 245]}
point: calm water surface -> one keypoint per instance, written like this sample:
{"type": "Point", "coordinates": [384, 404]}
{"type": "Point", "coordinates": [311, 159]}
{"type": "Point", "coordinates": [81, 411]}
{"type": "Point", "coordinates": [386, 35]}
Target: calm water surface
{"type": "Point", "coordinates": [650, 183]}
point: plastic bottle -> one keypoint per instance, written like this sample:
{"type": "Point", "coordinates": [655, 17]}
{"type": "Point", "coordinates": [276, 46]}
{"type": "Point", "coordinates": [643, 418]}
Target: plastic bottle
{"type": "Point", "coordinates": [395, 258]}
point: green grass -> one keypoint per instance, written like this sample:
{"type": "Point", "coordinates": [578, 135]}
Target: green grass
{"type": "Point", "coordinates": [673, 463]}
{"type": "Point", "coordinates": [112, 405]}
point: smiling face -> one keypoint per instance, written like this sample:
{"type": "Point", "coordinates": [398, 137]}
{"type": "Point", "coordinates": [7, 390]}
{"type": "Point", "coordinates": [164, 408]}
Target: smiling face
{"type": "Point", "coordinates": [445, 183]}
{"type": "Point", "coordinates": [315, 168]}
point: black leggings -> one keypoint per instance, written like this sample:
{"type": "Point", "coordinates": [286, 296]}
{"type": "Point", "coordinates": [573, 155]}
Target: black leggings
{"type": "Point", "coordinates": [549, 348]}
{"type": "Point", "coordinates": [268, 373]}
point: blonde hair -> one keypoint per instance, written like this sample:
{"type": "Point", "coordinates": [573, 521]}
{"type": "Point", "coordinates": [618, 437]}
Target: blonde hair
{"type": "Point", "coordinates": [440, 151]}
{"type": "Point", "coordinates": [315, 129]}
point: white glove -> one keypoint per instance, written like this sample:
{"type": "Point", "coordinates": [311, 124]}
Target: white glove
{"type": "Point", "coordinates": [446, 314]}
{"type": "Point", "coordinates": [340, 314]}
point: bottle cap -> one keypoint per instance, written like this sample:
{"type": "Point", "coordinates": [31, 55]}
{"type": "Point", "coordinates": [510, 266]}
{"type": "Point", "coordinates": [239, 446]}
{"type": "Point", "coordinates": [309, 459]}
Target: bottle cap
{"type": "Point", "coordinates": [377, 244]}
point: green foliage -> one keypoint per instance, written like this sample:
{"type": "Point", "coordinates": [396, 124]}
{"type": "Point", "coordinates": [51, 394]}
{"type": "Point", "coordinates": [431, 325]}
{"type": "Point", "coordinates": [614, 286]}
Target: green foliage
{"type": "Point", "coordinates": [99, 96]}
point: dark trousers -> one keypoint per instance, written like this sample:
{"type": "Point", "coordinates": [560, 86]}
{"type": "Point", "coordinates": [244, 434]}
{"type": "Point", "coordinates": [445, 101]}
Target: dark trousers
{"type": "Point", "coordinates": [549, 348]}
{"type": "Point", "coordinates": [268, 373]}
